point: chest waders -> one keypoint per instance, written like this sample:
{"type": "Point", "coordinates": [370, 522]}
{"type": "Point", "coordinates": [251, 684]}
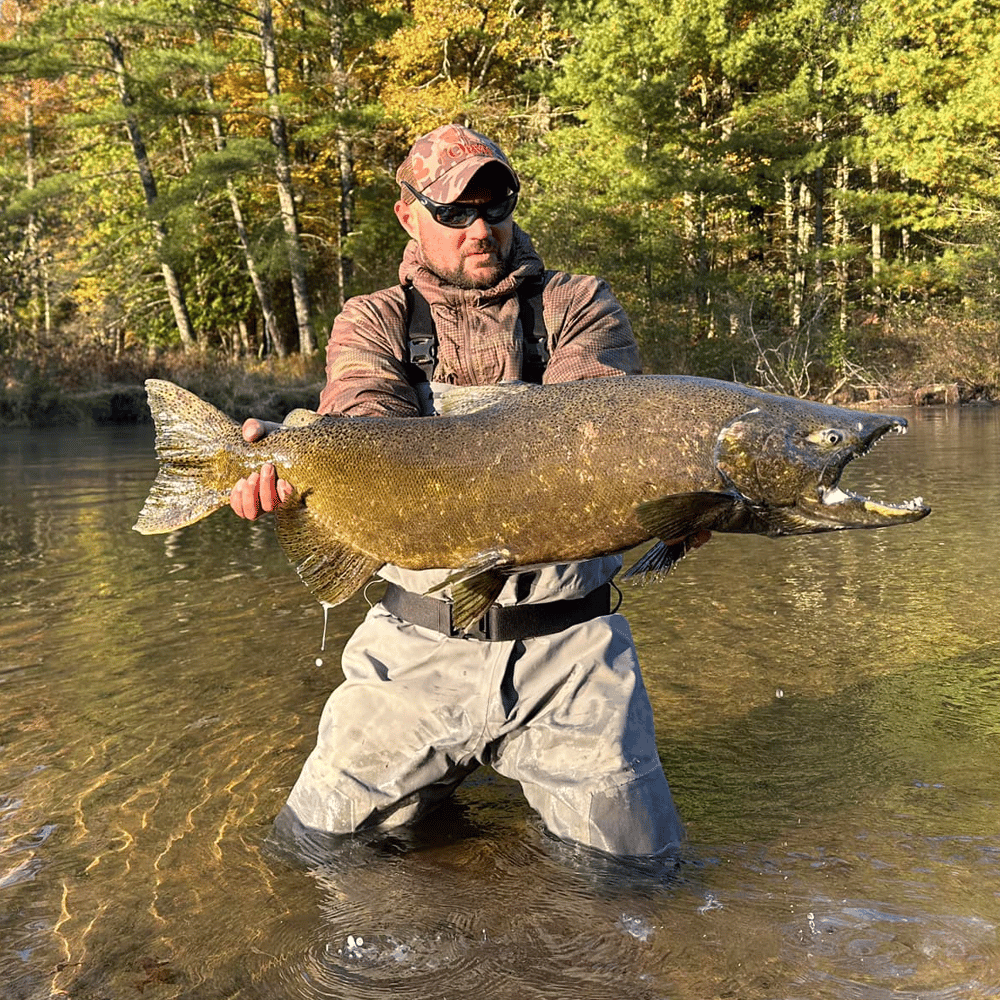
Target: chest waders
{"type": "Point", "coordinates": [500, 623]}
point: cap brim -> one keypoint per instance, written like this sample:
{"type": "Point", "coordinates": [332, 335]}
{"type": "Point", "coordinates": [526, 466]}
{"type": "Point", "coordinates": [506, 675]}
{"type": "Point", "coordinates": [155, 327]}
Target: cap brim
{"type": "Point", "coordinates": [449, 186]}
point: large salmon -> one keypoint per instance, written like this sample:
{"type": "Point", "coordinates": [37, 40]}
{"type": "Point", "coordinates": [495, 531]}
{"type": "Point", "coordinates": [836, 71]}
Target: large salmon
{"type": "Point", "coordinates": [519, 475]}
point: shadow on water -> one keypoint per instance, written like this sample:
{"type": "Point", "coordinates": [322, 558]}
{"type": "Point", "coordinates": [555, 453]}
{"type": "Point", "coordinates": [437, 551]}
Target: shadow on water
{"type": "Point", "coordinates": [827, 714]}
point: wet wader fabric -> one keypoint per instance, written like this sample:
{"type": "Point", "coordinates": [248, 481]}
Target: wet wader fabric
{"type": "Point", "coordinates": [565, 715]}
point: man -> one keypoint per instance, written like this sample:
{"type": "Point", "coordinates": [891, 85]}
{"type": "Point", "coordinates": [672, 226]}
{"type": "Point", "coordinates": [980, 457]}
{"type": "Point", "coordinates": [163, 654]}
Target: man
{"type": "Point", "coordinates": [548, 691]}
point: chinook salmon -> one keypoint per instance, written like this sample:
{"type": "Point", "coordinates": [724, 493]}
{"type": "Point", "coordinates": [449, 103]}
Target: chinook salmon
{"type": "Point", "coordinates": [518, 475]}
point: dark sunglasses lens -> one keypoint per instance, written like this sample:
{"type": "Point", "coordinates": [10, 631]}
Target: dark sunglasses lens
{"type": "Point", "coordinates": [456, 216]}
{"type": "Point", "coordinates": [460, 216]}
{"type": "Point", "coordinates": [498, 211]}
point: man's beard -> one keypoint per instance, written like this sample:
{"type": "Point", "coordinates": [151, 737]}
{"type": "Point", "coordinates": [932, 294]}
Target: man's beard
{"type": "Point", "coordinates": [484, 278]}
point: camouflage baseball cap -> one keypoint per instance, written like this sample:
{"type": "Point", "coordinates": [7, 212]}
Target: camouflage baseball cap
{"type": "Point", "coordinates": [441, 163]}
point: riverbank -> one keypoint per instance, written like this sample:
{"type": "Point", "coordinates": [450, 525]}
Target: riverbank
{"type": "Point", "coordinates": [111, 392]}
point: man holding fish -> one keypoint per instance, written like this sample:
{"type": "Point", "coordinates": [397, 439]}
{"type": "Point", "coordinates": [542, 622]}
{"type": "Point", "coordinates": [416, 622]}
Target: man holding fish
{"type": "Point", "coordinates": [545, 687]}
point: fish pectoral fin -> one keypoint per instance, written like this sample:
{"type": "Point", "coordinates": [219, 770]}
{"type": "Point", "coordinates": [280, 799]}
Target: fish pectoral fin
{"type": "Point", "coordinates": [682, 514]}
{"type": "Point", "coordinates": [331, 570]}
{"type": "Point", "coordinates": [658, 560]}
{"type": "Point", "coordinates": [476, 586]}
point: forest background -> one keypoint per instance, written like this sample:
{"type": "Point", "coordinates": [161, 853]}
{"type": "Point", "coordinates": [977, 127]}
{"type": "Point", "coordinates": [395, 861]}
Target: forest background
{"type": "Point", "coordinates": [800, 194]}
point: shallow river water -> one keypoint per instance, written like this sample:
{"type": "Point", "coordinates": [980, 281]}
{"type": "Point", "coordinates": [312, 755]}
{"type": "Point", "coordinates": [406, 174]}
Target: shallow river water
{"type": "Point", "coordinates": [828, 714]}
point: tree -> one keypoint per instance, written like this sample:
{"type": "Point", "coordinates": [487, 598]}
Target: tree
{"type": "Point", "coordinates": [283, 175]}
{"type": "Point", "coordinates": [924, 76]}
{"type": "Point", "coordinates": [175, 292]}
{"type": "Point", "coordinates": [456, 60]}
{"type": "Point", "coordinates": [30, 232]}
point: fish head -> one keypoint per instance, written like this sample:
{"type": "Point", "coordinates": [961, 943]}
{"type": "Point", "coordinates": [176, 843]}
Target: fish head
{"type": "Point", "coordinates": [786, 459]}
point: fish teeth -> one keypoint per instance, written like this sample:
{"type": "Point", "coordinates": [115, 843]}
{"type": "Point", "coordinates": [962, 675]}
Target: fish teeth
{"type": "Point", "coordinates": [834, 495]}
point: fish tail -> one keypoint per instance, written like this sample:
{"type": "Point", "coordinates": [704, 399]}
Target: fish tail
{"type": "Point", "coordinates": [199, 449]}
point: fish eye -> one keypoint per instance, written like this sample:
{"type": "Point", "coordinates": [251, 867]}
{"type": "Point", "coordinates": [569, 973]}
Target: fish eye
{"type": "Point", "coordinates": [829, 437]}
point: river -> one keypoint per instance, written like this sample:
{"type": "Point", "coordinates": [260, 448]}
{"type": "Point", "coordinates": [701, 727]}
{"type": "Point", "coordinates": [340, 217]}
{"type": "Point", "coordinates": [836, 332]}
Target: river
{"type": "Point", "coordinates": [828, 713]}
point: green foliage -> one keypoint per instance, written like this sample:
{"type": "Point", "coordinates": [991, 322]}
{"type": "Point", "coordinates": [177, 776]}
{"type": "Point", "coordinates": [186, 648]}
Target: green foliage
{"type": "Point", "coordinates": [763, 184]}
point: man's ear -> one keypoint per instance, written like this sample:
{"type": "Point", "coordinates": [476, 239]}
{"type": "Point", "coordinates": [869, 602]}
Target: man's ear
{"type": "Point", "coordinates": [406, 213]}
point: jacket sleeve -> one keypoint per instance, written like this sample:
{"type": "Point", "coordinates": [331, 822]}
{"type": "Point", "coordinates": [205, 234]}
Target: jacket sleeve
{"type": "Point", "coordinates": [589, 334]}
{"type": "Point", "coordinates": [365, 373]}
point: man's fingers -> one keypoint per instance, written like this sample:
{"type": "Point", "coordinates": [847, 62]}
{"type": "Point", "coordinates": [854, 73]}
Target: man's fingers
{"type": "Point", "coordinates": [243, 497]}
{"type": "Point", "coordinates": [268, 488]}
{"type": "Point", "coordinates": [253, 429]}
{"type": "Point", "coordinates": [260, 491]}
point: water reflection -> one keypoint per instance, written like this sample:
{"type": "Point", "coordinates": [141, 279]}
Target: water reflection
{"type": "Point", "coordinates": [827, 713]}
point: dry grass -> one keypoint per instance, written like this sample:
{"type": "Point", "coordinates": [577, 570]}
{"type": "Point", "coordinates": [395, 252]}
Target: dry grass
{"type": "Point", "coordinates": [93, 386]}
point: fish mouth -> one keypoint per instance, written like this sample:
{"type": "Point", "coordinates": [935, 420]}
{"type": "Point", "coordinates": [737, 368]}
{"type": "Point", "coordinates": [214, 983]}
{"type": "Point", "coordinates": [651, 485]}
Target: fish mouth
{"type": "Point", "coordinates": [838, 507]}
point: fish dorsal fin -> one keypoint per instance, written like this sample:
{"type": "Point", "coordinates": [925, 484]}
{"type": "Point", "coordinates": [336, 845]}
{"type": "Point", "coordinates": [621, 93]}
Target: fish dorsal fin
{"type": "Point", "coordinates": [301, 417]}
{"type": "Point", "coordinates": [466, 399]}
{"type": "Point", "coordinates": [330, 569]}
{"type": "Point", "coordinates": [476, 585]}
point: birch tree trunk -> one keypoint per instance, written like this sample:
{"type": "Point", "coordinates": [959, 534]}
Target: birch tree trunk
{"type": "Point", "coordinates": [840, 241]}
{"type": "Point", "coordinates": [283, 173]}
{"type": "Point", "coordinates": [174, 291]}
{"type": "Point", "coordinates": [876, 243]}
{"type": "Point", "coordinates": [819, 198]}
{"type": "Point", "coordinates": [802, 250]}
{"type": "Point", "coordinates": [270, 332]}
{"type": "Point", "coordinates": [41, 304]}
{"type": "Point", "coordinates": [345, 152]}
{"type": "Point", "coordinates": [791, 254]}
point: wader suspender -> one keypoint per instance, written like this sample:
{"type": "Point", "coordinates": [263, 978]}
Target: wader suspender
{"type": "Point", "coordinates": [421, 337]}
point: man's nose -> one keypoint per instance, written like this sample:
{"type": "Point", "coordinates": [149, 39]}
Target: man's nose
{"type": "Point", "coordinates": [479, 230]}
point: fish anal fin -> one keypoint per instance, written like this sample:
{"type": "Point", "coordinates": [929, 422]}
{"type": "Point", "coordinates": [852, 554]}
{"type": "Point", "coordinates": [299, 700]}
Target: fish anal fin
{"type": "Point", "coordinates": [473, 597]}
{"type": "Point", "coordinates": [476, 585]}
{"type": "Point", "coordinates": [658, 560]}
{"type": "Point", "coordinates": [331, 569]}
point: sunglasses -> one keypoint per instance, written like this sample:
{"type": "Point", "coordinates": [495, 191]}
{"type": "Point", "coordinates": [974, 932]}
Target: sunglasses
{"type": "Point", "coordinates": [461, 215]}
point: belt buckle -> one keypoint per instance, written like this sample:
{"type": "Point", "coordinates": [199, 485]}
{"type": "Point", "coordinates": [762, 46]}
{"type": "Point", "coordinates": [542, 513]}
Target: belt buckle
{"type": "Point", "coordinates": [480, 629]}
{"type": "Point", "coordinates": [446, 624]}
{"type": "Point", "coordinates": [486, 628]}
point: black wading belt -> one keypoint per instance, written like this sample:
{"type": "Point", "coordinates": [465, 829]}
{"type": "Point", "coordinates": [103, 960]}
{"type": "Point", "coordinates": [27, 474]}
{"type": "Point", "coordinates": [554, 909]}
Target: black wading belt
{"type": "Point", "coordinates": [500, 623]}
{"type": "Point", "coordinates": [421, 337]}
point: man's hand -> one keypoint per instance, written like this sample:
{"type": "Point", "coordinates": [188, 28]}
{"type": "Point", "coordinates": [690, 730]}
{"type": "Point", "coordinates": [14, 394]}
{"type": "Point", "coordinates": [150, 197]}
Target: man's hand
{"type": "Point", "coordinates": [261, 491]}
